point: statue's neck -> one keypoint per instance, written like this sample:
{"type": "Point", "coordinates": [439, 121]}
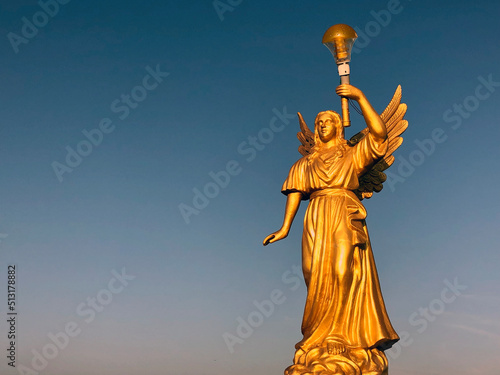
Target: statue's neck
{"type": "Point", "coordinates": [331, 144]}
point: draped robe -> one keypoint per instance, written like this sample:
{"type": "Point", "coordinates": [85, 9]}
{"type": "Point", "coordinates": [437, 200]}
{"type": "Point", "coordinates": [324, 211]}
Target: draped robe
{"type": "Point", "coordinates": [344, 301]}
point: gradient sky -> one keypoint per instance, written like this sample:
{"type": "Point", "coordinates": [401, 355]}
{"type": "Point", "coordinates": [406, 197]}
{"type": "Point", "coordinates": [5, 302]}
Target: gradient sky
{"type": "Point", "coordinates": [228, 75]}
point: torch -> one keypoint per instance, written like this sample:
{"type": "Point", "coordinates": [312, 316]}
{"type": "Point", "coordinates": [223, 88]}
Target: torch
{"type": "Point", "coordinates": [339, 40]}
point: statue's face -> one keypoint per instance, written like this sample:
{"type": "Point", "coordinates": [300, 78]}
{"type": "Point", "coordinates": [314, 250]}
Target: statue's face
{"type": "Point", "coordinates": [326, 127]}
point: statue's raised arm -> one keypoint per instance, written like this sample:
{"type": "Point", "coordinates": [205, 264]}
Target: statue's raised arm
{"type": "Point", "coordinates": [375, 124]}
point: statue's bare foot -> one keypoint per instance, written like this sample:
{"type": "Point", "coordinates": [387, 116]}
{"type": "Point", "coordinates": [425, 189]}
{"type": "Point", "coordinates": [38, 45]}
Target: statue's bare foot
{"type": "Point", "coordinates": [335, 347]}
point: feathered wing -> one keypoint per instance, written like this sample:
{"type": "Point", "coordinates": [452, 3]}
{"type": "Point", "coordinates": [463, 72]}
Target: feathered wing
{"type": "Point", "coordinates": [305, 136]}
{"type": "Point", "coordinates": [372, 180]}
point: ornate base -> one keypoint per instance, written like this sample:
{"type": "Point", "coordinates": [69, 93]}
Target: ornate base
{"type": "Point", "coordinates": [354, 361]}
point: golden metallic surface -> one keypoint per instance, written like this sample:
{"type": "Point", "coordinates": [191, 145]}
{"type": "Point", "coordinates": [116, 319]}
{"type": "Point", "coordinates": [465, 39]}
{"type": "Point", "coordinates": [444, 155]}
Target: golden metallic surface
{"type": "Point", "coordinates": [345, 325]}
{"type": "Point", "coordinates": [346, 119]}
{"type": "Point", "coordinates": [339, 31]}
{"type": "Point", "coordinates": [339, 39]}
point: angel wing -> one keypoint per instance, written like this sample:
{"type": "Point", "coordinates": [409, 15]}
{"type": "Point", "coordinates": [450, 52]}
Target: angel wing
{"type": "Point", "coordinates": [372, 180]}
{"type": "Point", "coordinates": [305, 136]}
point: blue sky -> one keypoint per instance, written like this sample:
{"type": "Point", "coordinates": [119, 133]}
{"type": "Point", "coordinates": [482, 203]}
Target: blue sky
{"type": "Point", "coordinates": [217, 81]}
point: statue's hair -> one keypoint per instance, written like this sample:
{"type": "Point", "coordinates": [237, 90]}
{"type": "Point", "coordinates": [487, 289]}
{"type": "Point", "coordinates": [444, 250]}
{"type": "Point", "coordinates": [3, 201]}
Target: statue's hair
{"type": "Point", "coordinates": [339, 132]}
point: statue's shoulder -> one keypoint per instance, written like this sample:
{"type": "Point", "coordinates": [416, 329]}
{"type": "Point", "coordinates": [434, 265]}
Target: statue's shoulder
{"type": "Point", "coordinates": [300, 166]}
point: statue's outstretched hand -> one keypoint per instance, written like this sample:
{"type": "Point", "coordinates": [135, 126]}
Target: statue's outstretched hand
{"type": "Point", "coordinates": [349, 91]}
{"type": "Point", "coordinates": [276, 236]}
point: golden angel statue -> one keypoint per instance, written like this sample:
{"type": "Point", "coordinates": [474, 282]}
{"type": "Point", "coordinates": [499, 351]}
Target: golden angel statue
{"type": "Point", "coordinates": [345, 325]}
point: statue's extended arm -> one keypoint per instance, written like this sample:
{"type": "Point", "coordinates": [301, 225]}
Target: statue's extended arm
{"type": "Point", "coordinates": [373, 121]}
{"type": "Point", "coordinates": [292, 206]}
